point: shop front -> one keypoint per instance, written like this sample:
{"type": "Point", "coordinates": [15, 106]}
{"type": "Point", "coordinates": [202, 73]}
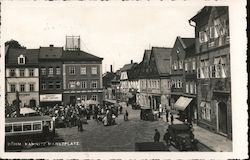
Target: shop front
{"type": "Point", "coordinates": [185, 109]}
{"type": "Point", "coordinates": [50, 100]}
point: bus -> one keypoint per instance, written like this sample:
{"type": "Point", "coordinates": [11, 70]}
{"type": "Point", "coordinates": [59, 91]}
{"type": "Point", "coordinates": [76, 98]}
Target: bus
{"type": "Point", "coordinates": [26, 131]}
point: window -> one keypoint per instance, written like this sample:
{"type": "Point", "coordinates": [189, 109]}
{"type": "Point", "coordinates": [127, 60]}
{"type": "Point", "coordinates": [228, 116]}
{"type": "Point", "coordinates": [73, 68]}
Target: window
{"type": "Point", "coordinates": [51, 71]}
{"type": "Point", "coordinates": [193, 64]}
{"type": "Point", "coordinates": [83, 84]}
{"type": "Point", "coordinates": [43, 71]}
{"type": "Point", "coordinates": [31, 72]}
{"type": "Point", "coordinates": [17, 127]}
{"type": "Point", "coordinates": [37, 126]}
{"type": "Point", "coordinates": [12, 88]}
{"type": "Point", "coordinates": [202, 37]}
{"type": "Point", "coordinates": [186, 66]}
{"type": "Point", "coordinates": [84, 97]}
{"type": "Point", "coordinates": [83, 70]}
{"type": "Point", "coordinates": [175, 65]}
{"type": "Point", "coordinates": [58, 71]}
{"type": "Point", "coordinates": [31, 87]}
{"type": "Point", "coordinates": [72, 85]}
{"type": "Point", "coordinates": [195, 89]}
{"type": "Point", "coordinates": [22, 87]}
{"type": "Point", "coordinates": [43, 86]}
{"type": "Point", "coordinates": [51, 85]}
{"type": "Point", "coordinates": [213, 32]}
{"type": "Point", "coordinates": [21, 72]}
{"type": "Point", "coordinates": [179, 83]}
{"type": "Point", "coordinates": [94, 84]}
{"type": "Point", "coordinates": [8, 128]}
{"type": "Point", "coordinates": [191, 88]}
{"type": "Point", "coordinates": [21, 59]}
{"type": "Point", "coordinates": [72, 70]}
{"type": "Point", "coordinates": [58, 85]}
{"type": "Point", "coordinates": [187, 87]}
{"type": "Point", "coordinates": [204, 69]}
{"type": "Point", "coordinates": [26, 126]}
{"type": "Point", "coordinates": [180, 64]}
{"type": "Point", "coordinates": [94, 97]}
{"type": "Point", "coordinates": [220, 67]}
{"type": "Point", "coordinates": [12, 73]}
{"type": "Point", "coordinates": [93, 70]}
{"type": "Point", "coordinates": [205, 111]}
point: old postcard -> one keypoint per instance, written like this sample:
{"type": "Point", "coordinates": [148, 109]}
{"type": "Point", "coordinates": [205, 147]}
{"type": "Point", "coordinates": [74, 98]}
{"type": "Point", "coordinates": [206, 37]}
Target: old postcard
{"type": "Point", "coordinates": [123, 79]}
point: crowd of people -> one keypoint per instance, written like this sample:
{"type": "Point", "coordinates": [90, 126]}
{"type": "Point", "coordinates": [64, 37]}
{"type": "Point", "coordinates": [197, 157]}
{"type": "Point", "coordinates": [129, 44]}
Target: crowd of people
{"type": "Point", "coordinates": [70, 115]}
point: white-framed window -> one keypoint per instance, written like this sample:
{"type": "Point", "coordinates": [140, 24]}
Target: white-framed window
{"type": "Point", "coordinates": [175, 65]}
{"type": "Point", "coordinates": [93, 70]}
{"type": "Point", "coordinates": [32, 87]}
{"type": "Point", "coordinates": [180, 64]}
{"type": "Point", "coordinates": [204, 69]}
{"type": "Point", "coordinates": [72, 85]}
{"type": "Point", "coordinates": [83, 84]}
{"type": "Point", "coordinates": [191, 88]}
{"type": "Point", "coordinates": [84, 97]}
{"type": "Point", "coordinates": [43, 71]}
{"type": "Point", "coordinates": [21, 72]}
{"type": "Point", "coordinates": [205, 110]}
{"type": "Point", "coordinates": [94, 97]}
{"type": "Point", "coordinates": [31, 72]}
{"type": "Point", "coordinates": [186, 66]}
{"type": "Point", "coordinates": [12, 88]}
{"type": "Point", "coordinates": [22, 87]}
{"type": "Point", "coordinates": [58, 70]}
{"type": "Point", "coordinates": [72, 70]}
{"type": "Point", "coordinates": [12, 72]}
{"type": "Point", "coordinates": [213, 32]}
{"type": "Point", "coordinates": [187, 87]}
{"type": "Point", "coordinates": [179, 83]}
{"type": "Point", "coordinates": [93, 84]}
{"type": "Point", "coordinates": [194, 64]}
{"type": "Point", "coordinates": [51, 71]}
{"type": "Point", "coordinates": [43, 86]}
{"type": "Point", "coordinates": [202, 37]}
{"type": "Point", "coordinates": [21, 59]}
{"type": "Point", "coordinates": [83, 71]}
{"type": "Point", "coordinates": [58, 85]}
{"type": "Point", "coordinates": [195, 88]}
{"type": "Point", "coordinates": [51, 85]}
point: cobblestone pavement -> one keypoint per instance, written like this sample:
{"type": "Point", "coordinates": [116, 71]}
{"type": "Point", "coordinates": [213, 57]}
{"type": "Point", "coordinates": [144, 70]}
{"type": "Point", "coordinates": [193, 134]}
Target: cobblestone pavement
{"type": "Point", "coordinates": [120, 137]}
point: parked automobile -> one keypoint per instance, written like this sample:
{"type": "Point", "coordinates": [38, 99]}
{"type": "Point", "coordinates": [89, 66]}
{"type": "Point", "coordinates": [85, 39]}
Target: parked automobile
{"type": "Point", "coordinates": [146, 114]}
{"type": "Point", "coordinates": [182, 137]}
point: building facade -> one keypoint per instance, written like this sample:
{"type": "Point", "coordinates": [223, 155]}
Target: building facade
{"type": "Point", "coordinates": [82, 77]}
{"type": "Point", "coordinates": [213, 69]}
{"type": "Point", "coordinates": [22, 76]}
{"type": "Point", "coordinates": [51, 79]}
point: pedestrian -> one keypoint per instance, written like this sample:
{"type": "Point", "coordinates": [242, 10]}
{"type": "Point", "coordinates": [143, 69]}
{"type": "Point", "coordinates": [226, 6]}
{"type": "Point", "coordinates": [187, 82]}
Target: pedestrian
{"type": "Point", "coordinates": [157, 136]}
{"type": "Point", "coordinates": [167, 114]}
{"type": "Point", "coordinates": [120, 109]}
{"type": "Point", "coordinates": [160, 110]}
{"type": "Point", "coordinates": [172, 118]}
{"type": "Point", "coordinates": [126, 116]}
{"type": "Point", "coordinates": [166, 138]}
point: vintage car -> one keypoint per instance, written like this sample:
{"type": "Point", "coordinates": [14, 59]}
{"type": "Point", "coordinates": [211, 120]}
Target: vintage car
{"type": "Point", "coordinates": [182, 137]}
{"type": "Point", "coordinates": [146, 114]}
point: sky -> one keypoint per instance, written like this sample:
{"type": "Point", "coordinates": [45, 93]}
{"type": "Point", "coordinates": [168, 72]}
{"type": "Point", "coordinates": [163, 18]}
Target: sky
{"type": "Point", "coordinates": [117, 32]}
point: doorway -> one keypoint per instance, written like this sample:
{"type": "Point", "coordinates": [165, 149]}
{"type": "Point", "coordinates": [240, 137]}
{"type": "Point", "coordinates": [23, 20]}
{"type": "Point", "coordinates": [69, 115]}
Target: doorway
{"type": "Point", "coordinates": [222, 117]}
{"type": "Point", "coordinates": [72, 100]}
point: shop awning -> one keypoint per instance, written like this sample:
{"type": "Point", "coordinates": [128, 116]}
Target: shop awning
{"type": "Point", "coordinates": [182, 103]}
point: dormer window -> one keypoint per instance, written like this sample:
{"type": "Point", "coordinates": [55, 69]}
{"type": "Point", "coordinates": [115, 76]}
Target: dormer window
{"type": "Point", "coordinates": [21, 59]}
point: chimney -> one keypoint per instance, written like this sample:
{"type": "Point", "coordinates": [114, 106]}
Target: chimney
{"type": "Point", "coordinates": [111, 68]}
{"type": "Point", "coordinates": [51, 45]}
{"type": "Point", "coordinates": [131, 61]}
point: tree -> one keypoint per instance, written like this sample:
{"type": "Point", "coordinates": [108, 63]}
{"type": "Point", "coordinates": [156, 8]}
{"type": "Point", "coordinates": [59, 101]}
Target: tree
{"type": "Point", "coordinates": [13, 44]}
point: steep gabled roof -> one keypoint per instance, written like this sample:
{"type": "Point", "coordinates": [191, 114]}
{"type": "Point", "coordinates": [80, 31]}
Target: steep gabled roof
{"type": "Point", "coordinates": [79, 56]}
{"type": "Point", "coordinates": [127, 67]}
{"type": "Point", "coordinates": [162, 59]}
{"type": "Point", "coordinates": [50, 52]}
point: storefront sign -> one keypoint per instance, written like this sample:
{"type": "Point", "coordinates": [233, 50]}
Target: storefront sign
{"type": "Point", "coordinates": [50, 97]}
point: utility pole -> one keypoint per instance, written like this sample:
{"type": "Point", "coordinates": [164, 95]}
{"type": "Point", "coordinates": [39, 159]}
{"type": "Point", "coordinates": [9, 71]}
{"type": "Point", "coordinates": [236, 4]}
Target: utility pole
{"type": "Point", "coordinates": [17, 104]}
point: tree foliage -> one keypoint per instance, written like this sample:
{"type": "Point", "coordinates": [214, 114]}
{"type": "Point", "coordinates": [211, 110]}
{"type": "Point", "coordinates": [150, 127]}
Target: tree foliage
{"type": "Point", "coordinates": [13, 44]}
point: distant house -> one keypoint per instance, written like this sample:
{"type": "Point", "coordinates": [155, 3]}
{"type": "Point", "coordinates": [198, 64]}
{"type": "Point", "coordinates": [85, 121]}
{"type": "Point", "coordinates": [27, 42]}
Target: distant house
{"type": "Point", "coordinates": [213, 69]}
{"type": "Point", "coordinates": [22, 76]}
{"type": "Point", "coordinates": [107, 78]}
{"type": "Point", "coordinates": [51, 75]}
{"type": "Point", "coordinates": [125, 89]}
{"type": "Point", "coordinates": [155, 78]}
{"type": "Point", "coordinates": [178, 100]}
{"type": "Point", "coordinates": [82, 77]}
